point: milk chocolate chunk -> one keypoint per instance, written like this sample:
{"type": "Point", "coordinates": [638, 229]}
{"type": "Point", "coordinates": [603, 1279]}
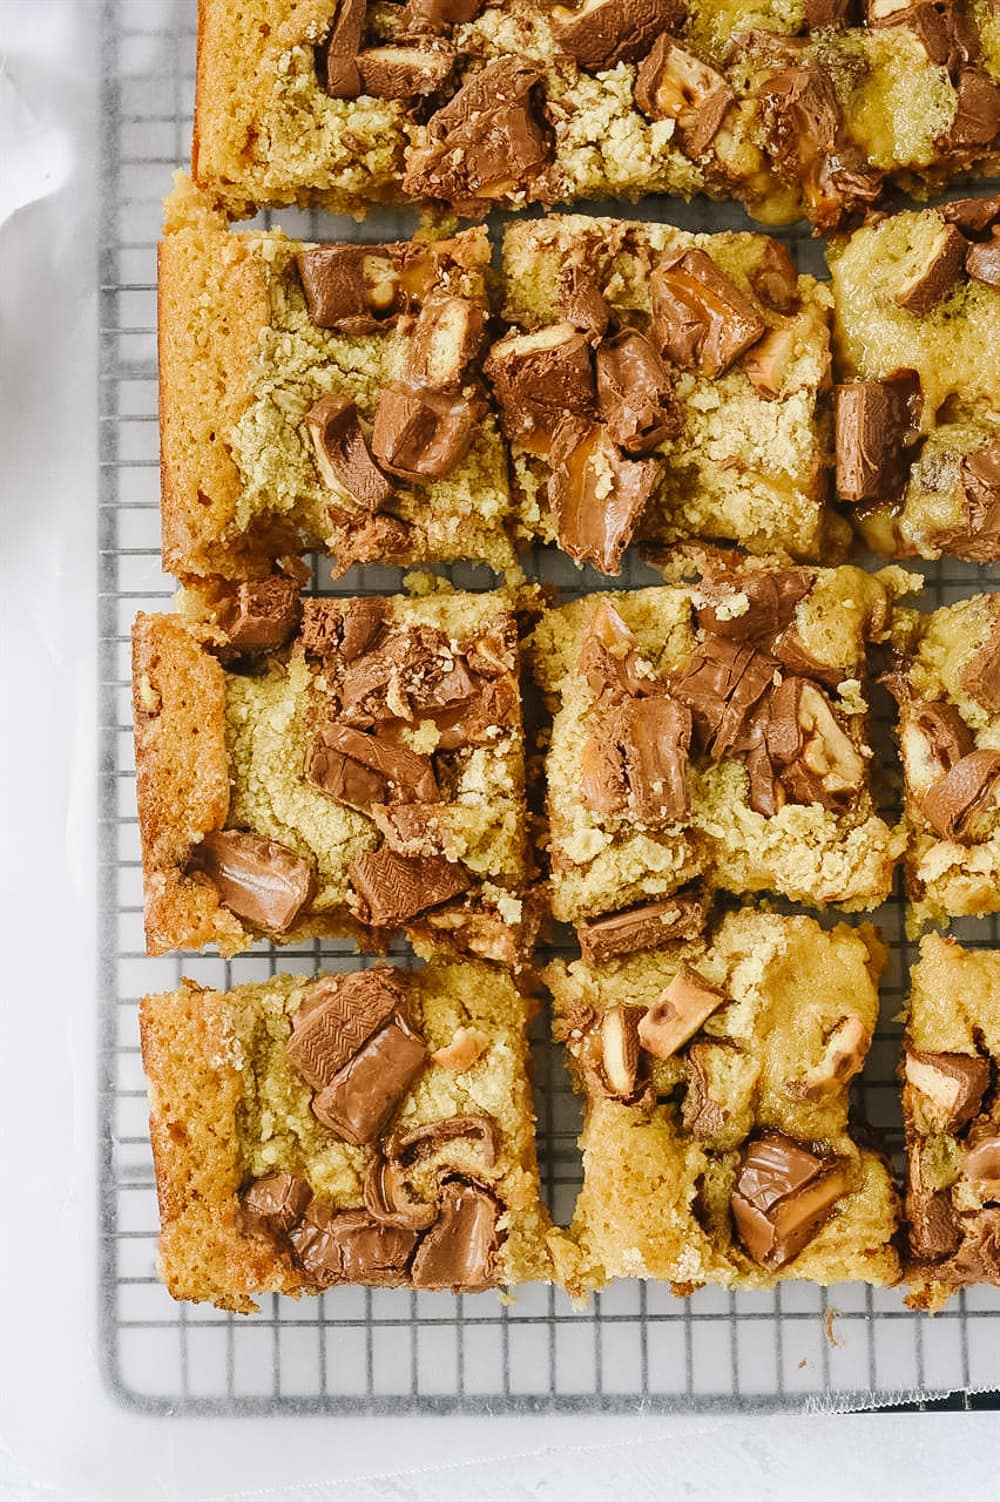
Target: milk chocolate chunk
{"type": "Point", "coordinates": [341, 628]}
{"type": "Point", "coordinates": [932, 738]}
{"type": "Point", "coordinates": [676, 1016]}
{"type": "Point", "coordinates": [700, 317]}
{"type": "Point", "coordinates": [439, 15]}
{"type": "Point", "coordinates": [342, 455]}
{"type": "Point", "coordinates": [980, 542]}
{"type": "Point", "coordinates": [977, 111]}
{"type": "Point", "coordinates": [934, 1232]}
{"type": "Point", "coordinates": [874, 420]}
{"type": "Point", "coordinates": [460, 1250]}
{"type": "Point", "coordinates": [601, 34]}
{"type": "Point", "coordinates": [376, 539]}
{"type": "Point", "coordinates": [679, 917]}
{"type": "Point", "coordinates": [597, 495]}
{"type": "Point", "coordinates": [582, 303]}
{"type": "Point", "coordinates": [359, 770]}
{"type": "Point", "coordinates": [951, 1085]}
{"type": "Point", "coordinates": [259, 880]}
{"type": "Point", "coordinates": [982, 1164]}
{"type": "Point", "coordinates": [821, 14]}
{"type": "Point", "coordinates": [935, 278]}
{"type": "Point", "coordinates": [949, 35]}
{"type": "Point", "coordinates": [774, 278]}
{"type": "Point", "coordinates": [424, 1141]}
{"type": "Point", "coordinates": [960, 805]}
{"type": "Point", "coordinates": [802, 124]}
{"type": "Point", "coordinates": [390, 1198]}
{"type": "Point", "coordinates": [413, 674]}
{"type": "Point", "coordinates": [973, 216]}
{"type": "Point", "coordinates": [981, 675]}
{"type": "Point", "coordinates": [349, 1246]}
{"type": "Point", "coordinates": [339, 1017]}
{"type": "Point", "coordinates": [639, 757]}
{"type": "Point", "coordinates": [541, 378]}
{"type": "Point", "coordinates": [405, 72]}
{"type": "Point", "coordinates": [352, 288]}
{"type": "Point", "coordinates": [362, 1098]}
{"type": "Point", "coordinates": [275, 1202]}
{"type": "Point", "coordinates": [620, 1050]}
{"type": "Point", "coordinates": [978, 1258]}
{"type": "Point", "coordinates": [421, 435]}
{"type": "Point", "coordinates": [704, 1116]}
{"type": "Point", "coordinates": [444, 342]}
{"type": "Point", "coordinates": [635, 393]}
{"type": "Point", "coordinates": [608, 657]}
{"type": "Point", "coordinates": [392, 888]}
{"type": "Point", "coordinates": [817, 760]}
{"type": "Point", "coordinates": [674, 84]}
{"type": "Point", "coordinates": [982, 262]}
{"type": "Point", "coordinates": [721, 685]}
{"type": "Point", "coordinates": [784, 1194]}
{"type": "Point", "coordinates": [261, 615]}
{"type": "Point", "coordinates": [754, 607]}
{"type": "Point", "coordinates": [339, 53]}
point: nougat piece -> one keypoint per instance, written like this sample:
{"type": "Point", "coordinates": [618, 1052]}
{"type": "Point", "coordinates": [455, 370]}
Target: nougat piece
{"type": "Point", "coordinates": [364, 778]}
{"type": "Point", "coordinates": [951, 1109]}
{"type": "Point", "coordinates": [310, 1132]}
{"type": "Point", "coordinates": [716, 1146]}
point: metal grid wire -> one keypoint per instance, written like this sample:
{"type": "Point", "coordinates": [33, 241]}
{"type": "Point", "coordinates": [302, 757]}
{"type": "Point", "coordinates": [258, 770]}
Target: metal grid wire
{"type": "Point", "coordinates": [353, 1350]}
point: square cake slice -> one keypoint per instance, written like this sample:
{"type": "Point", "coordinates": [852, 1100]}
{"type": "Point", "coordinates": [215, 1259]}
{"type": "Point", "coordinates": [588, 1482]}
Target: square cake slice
{"type": "Point", "coordinates": [323, 397]}
{"type": "Point", "coordinates": [716, 1143]}
{"type": "Point", "coordinates": [661, 386]}
{"type": "Point", "coordinates": [714, 732]}
{"type": "Point", "coordinates": [369, 1127]}
{"type": "Point", "coordinates": [332, 766]}
{"type": "Point", "coordinates": [948, 689]}
{"type": "Point", "coordinates": [951, 1107]}
{"type": "Point", "coordinates": [917, 353]}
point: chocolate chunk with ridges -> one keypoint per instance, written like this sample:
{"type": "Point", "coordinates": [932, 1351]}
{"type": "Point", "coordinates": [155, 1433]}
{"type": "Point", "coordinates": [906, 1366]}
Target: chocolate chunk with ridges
{"type": "Point", "coordinates": [405, 72]}
{"type": "Point", "coordinates": [360, 770]}
{"type": "Point", "coordinates": [817, 760]}
{"type": "Point", "coordinates": [874, 420]}
{"type": "Point", "coordinates": [635, 393]}
{"type": "Point", "coordinates": [932, 738]}
{"type": "Point", "coordinates": [701, 319]}
{"type": "Point", "coordinates": [349, 1246]}
{"type": "Point", "coordinates": [261, 615]}
{"type": "Point", "coordinates": [603, 33]}
{"type": "Point", "coordinates": [977, 111]}
{"type": "Point", "coordinates": [259, 880]}
{"type": "Point", "coordinates": [937, 275]}
{"type": "Point", "coordinates": [342, 454]}
{"type": "Point", "coordinates": [982, 262]}
{"type": "Point", "coordinates": [951, 1085]}
{"type": "Point", "coordinates": [582, 303]}
{"type": "Point", "coordinates": [420, 434]}
{"type": "Point", "coordinates": [961, 804]}
{"type": "Point", "coordinates": [440, 15]}
{"type": "Point", "coordinates": [676, 1016]}
{"type": "Point", "coordinates": [766, 793]}
{"type": "Point", "coordinates": [275, 1202]}
{"type": "Point", "coordinates": [721, 685]}
{"type": "Point", "coordinates": [487, 143]}
{"type": "Point", "coordinates": [802, 127]}
{"type": "Point", "coordinates": [337, 1019]}
{"type": "Point", "coordinates": [351, 288]}
{"type": "Point", "coordinates": [754, 607]}
{"type": "Point", "coordinates": [361, 1100]}
{"type": "Point", "coordinates": [338, 54]}
{"type": "Point", "coordinates": [608, 659]}
{"type": "Point", "coordinates": [444, 342]}
{"type": "Point", "coordinates": [392, 888]}
{"type": "Point", "coordinates": [415, 673]}
{"type": "Point", "coordinates": [821, 14]}
{"type": "Point", "coordinates": [342, 628]}
{"type": "Point", "coordinates": [540, 379]}
{"type": "Point", "coordinates": [674, 84]}
{"type": "Point", "coordinates": [647, 927]}
{"type": "Point", "coordinates": [973, 216]}
{"type": "Point", "coordinates": [934, 1232]}
{"type": "Point", "coordinates": [948, 33]}
{"type": "Point", "coordinates": [774, 278]}
{"type": "Point", "coordinates": [784, 1194]}
{"type": "Point", "coordinates": [460, 1250]}
{"type": "Point", "coordinates": [982, 1163]}
{"type": "Point", "coordinates": [597, 495]}
{"type": "Point", "coordinates": [981, 675]}
{"type": "Point", "coordinates": [641, 761]}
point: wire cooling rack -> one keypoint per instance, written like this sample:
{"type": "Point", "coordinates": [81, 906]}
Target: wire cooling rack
{"type": "Point", "coordinates": [635, 1347]}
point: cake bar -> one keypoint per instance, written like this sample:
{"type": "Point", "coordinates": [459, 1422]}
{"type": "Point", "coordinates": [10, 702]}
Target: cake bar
{"type": "Point", "coordinates": [369, 1127]}
{"type": "Point", "coordinates": [716, 1146]}
{"type": "Point", "coordinates": [662, 385]}
{"type": "Point", "coordinates": [713, 732]}
{"type": "Point", "coordinates": [349, 766]}
{"type": "Point", "coordinates": [948, 688]}
{"type": "Point", "coordinates": [917, 346]}
{"type": "Point", "coordinates": [951, 1107]}
{"type": "Point", "coordinates": [323, 397]}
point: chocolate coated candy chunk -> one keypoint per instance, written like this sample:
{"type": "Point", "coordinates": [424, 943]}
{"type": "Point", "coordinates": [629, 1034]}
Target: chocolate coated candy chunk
{"type": "Point", "coordinates": [338, 1017]}
{"type": "Point", "coordinates": [952, 1085]}
{"type": "Point", "coordinates": [766, 609]}
{"type": "Point", "coordinates": [341, 628]}
{"type": "Point", "coordinates": [597, 495]}
{"type": "Point", "coordinates": [582, 303]}
{"type": "Point", "coordinates": [700, 317]}
{"type": "Point", "coordinates": [948, 33]}
{"type": "Point", "coordinates": [981, 675]}
{"type": "Point", "coordinates": [260, 616]}
{"type": "Point", "coordinates": [973, 216]}
{"type": "Point", "coordinates": [933, 280]}
{"type": "Point", "coordinates": [635, 393]}
{"type": "Point", "coordinates": [349, 1246]}
{"type": "Point", "coordinates": [362, 1098]}
{"type": "Point", "coordinates": [540, 379]}
{"type": "Point", "coordinates": [721, 685]}
{"type": "Point", "coordinates": [608, 659]}
{"type": "Point", "coordinates": [979, 542]}
{"type": "Point", "coordinates": [774, 278]}
{"type": "Point", "coordinates": [674, 84]}
{"type": "Point", "coordinates": [405, 72]}
{"type": "Point", "coordinates": [603, 33]}
{"type": "Point", "coordinates": [392, 888]}
{"type": "Point", "coordinates": [262, 882]}
{"type": "Point", "coordinates": [818, 762]}
{"type": "Point", "coordinates": [351, 288]}
{"type": "Point", "coordinates": [961, 804]}
{"type": "Point", "coordinates": [982, 1163]}
{"type": "Point", "coordinates": [821, 14]}
{"type": "Point", "coordinates": [360, 770]}
{"type": "Point", "coordinates": [982, 262]}
{"type": "Point", "coordinates": [275, 1202]}
{"type": "Point", "coordinates": [934, 1230]}
{"type": "Point", "coordinates": [342, 454]}
{"type": "Point", "coordinates": [460, 1249]}
{"type": "Point", "coordinates": [647, 927]}
{"type": "Point", "coordinates": [874, 419]}
{"type": "Point", "coordinates": [933, 737]}
{"type": "Point", "coordinates": [414, 673]}
{"type": "Point", "coordinates": [445, 340]}
{"type": "Point", "coordinates": [802, 122]}
{"type": "Point", "coordinates": [439, 15]}
{"type": "Point", "coordinates": [338, 55]}
{"type": "Point", "coordinates": [783, 1195]}
{"type": "Point", "coordinates": [977, 111]}
{"type": "Point", "coordinates": [420, 434]}
{"type": "Point", "coordinates": [676, 1016]}
{"type": "Point", "coordinates": [620, 1050]}
{"type": "Point", "coordinates": [640, 759]}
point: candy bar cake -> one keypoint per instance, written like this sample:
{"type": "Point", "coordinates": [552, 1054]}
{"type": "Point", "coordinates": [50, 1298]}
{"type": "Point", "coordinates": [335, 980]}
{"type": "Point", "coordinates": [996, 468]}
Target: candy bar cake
{"type": "Point", "coordinates": [951, 1105]}
{"type": "Point", "coordinates": [323, 397]}
{"type": "Point", "coordinates": [662, 385]}
{"type": "Point", "coordinates": [917, 342]}
{"type": "Point", "coordinates": [370, 1127]}
{"type": "Point", "coordinates": [716, 1146]}
{"type": "Point", "coordinates": [949, 738]}
{"type": "Point", "coordinates": [712, 732]}
{"type": "Point", "coordinates": [337, 766]}
{"type": "Point", "coordinates": [472, 106]}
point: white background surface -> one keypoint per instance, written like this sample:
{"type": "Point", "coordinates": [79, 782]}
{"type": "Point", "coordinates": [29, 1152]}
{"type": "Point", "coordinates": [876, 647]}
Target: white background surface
{"type": "Point", "coordinates": [58, 1426]}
